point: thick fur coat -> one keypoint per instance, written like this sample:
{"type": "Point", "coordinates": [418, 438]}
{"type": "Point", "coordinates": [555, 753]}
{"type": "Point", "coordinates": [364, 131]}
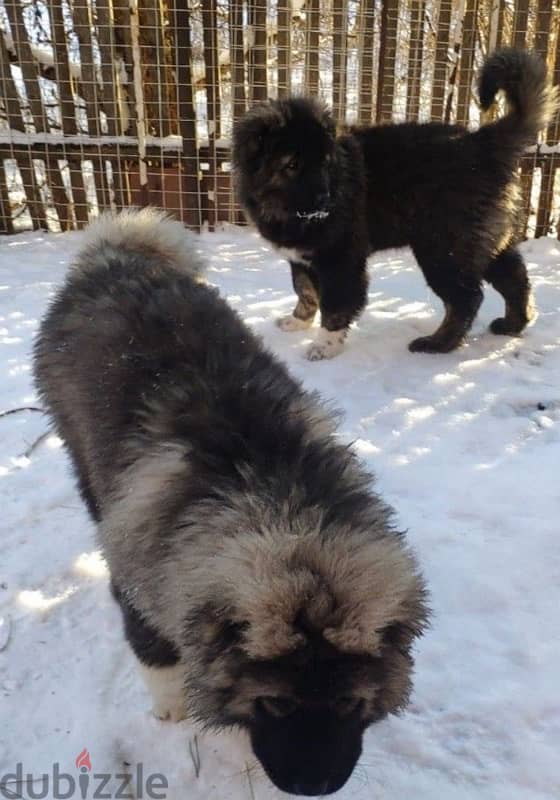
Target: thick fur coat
{"type": "Point", "coordinates": [261, 581]}
{"type": "Point", "coordinates": [452, 195]}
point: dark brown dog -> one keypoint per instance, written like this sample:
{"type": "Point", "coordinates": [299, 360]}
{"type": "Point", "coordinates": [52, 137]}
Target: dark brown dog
{"type": "Point", "coordinates": [452, 195]}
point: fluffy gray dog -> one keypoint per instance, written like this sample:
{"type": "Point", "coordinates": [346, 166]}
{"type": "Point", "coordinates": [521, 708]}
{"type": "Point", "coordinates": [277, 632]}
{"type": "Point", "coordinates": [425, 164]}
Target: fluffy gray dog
{"type": "Point", "coordinates": [260, 579]}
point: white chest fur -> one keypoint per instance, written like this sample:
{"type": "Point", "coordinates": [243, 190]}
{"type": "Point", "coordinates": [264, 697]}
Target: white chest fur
{"type": "Point", "coordinates": [295, 255]}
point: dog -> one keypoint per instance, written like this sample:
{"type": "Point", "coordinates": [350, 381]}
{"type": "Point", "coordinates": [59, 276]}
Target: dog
{"type": "Point", "coordinates": [261, 580]}
{"type": "Point", "coordinates": [326, 203]}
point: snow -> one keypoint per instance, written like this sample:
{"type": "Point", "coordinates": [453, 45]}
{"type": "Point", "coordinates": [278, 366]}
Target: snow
{"type": "Point", "coordinates": [466, 446]}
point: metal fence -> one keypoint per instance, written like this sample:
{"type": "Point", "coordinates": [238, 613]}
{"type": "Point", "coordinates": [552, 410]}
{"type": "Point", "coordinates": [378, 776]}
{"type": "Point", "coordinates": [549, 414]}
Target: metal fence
{"type": "Point", "coordinates": [109, 103]}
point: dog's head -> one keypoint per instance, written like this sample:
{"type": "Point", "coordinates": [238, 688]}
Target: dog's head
{"type": "Point", "coordinates": [309, 645]}
{"type": "Point", "coordinates": [284, 156]}
{"type": "Point", "coordinates": [307, 732]}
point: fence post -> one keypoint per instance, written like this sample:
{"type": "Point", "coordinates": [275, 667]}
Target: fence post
{"type": "Point", "coordinates": [139, 102]}
{"type": "Point", "coordinates": [387, 60]}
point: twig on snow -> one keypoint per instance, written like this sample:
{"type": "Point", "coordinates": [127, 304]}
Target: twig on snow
{"type": "Point", "coordinates": [32, 447]}
{"type": "Point", "coordinates": [18, 410]}
{"type": "Point", "coordinates": [5, 632]}
{"type": "Point", "coordinates": [249, 781]}
{"type": "Point", "coordinates": [195, 754]}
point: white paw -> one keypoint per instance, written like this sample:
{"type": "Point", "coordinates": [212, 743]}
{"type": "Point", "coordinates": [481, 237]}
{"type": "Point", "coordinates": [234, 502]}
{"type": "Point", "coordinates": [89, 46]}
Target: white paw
{"type": "Point", "coordinates": [328, 345]}
{"type": "Point", "coordinates": [167, 688]}
{"type": "Point", "coordinates": [292, 323]}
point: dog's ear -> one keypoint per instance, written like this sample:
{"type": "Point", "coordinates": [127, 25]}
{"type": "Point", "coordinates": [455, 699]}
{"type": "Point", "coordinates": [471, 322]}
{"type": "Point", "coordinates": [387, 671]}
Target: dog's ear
{"type": "Point", "coordinates": [250, 133]}
{"type": "Point", "coordinates": [399, 635]}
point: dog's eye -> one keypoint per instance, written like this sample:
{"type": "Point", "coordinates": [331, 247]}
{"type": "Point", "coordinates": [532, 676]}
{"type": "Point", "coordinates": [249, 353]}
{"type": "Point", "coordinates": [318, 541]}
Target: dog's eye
{"type": "Point", "coordinates": [348, 705]}
{"type": "Point", "coordinates": [292, 165]}
{"type": "Point", "coordinates": [277, 706]}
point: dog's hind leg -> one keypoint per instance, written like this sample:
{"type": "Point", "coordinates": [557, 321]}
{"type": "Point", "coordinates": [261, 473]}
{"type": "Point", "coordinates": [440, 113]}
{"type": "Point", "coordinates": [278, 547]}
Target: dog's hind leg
{"type": "Point", "coordinates": [461, 294]}
{"type": "Point", "coordinates": [507, 273]}
{"type": "Point", "coordinates": [306, 286]}
{"type": "Point", "coordinates": [160, 666]}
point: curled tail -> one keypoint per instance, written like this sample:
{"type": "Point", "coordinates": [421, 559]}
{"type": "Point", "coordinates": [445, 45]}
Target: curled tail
{"type": "Point", "coordinates": [533, 101]}
{"type": "Point", "coordinates": [148, 232]}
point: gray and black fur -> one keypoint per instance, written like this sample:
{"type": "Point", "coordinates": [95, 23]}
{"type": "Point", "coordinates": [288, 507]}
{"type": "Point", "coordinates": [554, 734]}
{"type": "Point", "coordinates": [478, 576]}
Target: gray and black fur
{"type": "Point", "coordinates": [450, 194]}
{"type": "Point", "coordinates": [247, 548]}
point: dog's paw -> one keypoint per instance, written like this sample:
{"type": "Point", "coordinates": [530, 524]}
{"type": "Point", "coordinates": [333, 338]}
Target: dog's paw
{"type": "Point", "coordinates": [328, 345]}
{"type": "Point", "coordinates": [431, 344]}
{"type": "Point", "coordinates": [291, 323]}
{"type": "Point", "coordinates": [515, 324]}
{"type": "Point", "coordinates": [504, 327]}
{"type": "Point", "coordinates": [166, 685]}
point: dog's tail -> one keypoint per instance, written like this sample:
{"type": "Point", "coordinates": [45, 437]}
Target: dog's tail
{"type": "Point", "coordinates": [532, 100]}
{"type": "Point", "coordinates": [136, 236]}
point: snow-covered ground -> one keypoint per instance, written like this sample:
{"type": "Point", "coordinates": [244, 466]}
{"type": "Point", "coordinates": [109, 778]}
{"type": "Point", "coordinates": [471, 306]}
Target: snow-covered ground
{"type": "Point", "coordinates": [467, 448]}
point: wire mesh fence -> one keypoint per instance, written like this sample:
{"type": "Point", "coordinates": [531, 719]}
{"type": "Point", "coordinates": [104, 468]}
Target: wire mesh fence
{"type": "Point", "coordinates": [110, 103]}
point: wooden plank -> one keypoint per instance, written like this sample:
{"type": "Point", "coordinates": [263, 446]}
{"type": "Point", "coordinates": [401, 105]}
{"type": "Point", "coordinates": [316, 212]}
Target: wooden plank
{"type": "Point", "coordinates": [113, 92]}
{"type": "Point", "coordinates": [367, 25]}
{"type": "Point", "coordinates": [313, 21]}
{"type": "Point", "coordinates": [552, 135]}
{"type": "Point", "coordinates": [88, 81]}
{"type": "Point", "coordinates": [546, 199]}
{"type": "Point", "coordinates": [115, 182]}
{"type": "Point", "coordinates": [258, 84]}
{"type": "Point", "coordinates": [415, 57]}
{"type": "Point", "coordinates": [26, 62]}
{"type": "Point", "coordinates": [237, 59]}
{"type": "Point", "coordinates": [237, 73]}
{"type": "Point", "coordinates": [101, 181]}
{"type": "Point", "coordinates": [79, 198]}
{"type": "Point", "coordinates": [526, 175]}
{"type": "Point", "coordinates": [154, 69]}
{"type": "Point", "coordinates": [69, 122]}
{"type": "Point", "coordinates": [122, 32]}
{"type": "Point", "coordinates": [448, 110]}
{"type": "Point", "coordinates": [519, 39]}
{"type": "Point", "coordinates": [340, 55]}
{"type": "Point", "coordinates": [466, 62]}
{"type": "Point", "coordinates": [139, 104]}
{"type": "Point", "coordinates": [387, 60]}
{"type": "Point", "coordinates": [6, 220]}
{"type": "Point", "coordinates": [284, 41]}
{"type": "Point", "coordinates": [186, 114]}
{"type": "Point", "coordinates": [441, 68]}
{"type": "Point", "coordinates": [60, 198]}
{"type": "Point", "coordinates": [543, 24]}
{"type": "Point", "coordinates": [210, 30]}
{"type": "Point", "coordinates": [73, 150]}
{"type": "Point", "coordinates": [501, 40]}
{"type": "Point", "coordinates": [520, 23]}
{"type": "Point", "coordinates": [10, 97]}
{"type": "Point", "coordinates": [32, 194]}
{"type": "Point", "coordinates": [88, 78]}
{"type": "Point", "coordinates": [553, 132]}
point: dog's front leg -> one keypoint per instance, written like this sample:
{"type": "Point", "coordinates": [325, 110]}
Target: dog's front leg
{"type": "Point", "coordinates": [306, 286]}
{"type": "Point", "coordinates": [343, 296]}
